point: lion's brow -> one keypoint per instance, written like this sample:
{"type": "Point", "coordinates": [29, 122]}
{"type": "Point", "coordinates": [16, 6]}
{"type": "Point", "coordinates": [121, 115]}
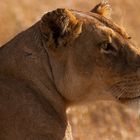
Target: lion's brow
{"type": "Point", "coordinates": [111, 25]}
{"type": "Point", "coordinates": [107, 23]}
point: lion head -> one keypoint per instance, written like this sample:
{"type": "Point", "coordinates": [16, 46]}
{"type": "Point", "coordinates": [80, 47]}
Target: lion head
{"type": "Point", "coordinates": [91, 57]}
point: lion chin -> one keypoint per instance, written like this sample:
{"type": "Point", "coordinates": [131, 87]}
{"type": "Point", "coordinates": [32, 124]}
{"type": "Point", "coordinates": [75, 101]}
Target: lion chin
{"type": "Point", "coordinates": [132, 103]}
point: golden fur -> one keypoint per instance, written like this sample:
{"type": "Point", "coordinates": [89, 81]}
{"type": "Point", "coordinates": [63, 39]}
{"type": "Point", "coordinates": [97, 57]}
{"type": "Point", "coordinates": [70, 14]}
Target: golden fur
{"type": "Point", "coordinates": [67, 57]}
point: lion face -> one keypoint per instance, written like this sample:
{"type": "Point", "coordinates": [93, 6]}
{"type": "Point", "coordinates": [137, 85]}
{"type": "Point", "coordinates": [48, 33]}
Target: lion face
{"type": "Point", "coordinates": [110, 62]}
{"type": "Point", "coordinates": [91, 57]}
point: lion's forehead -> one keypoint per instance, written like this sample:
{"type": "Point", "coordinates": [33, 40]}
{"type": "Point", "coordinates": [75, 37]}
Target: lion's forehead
{"type": "Point", "coordinates": [97, 19]}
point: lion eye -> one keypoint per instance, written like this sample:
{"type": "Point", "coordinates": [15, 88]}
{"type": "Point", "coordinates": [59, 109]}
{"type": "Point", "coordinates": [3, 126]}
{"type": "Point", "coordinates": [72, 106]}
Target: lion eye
{"type": "Point", "coordinates": [107, 48]}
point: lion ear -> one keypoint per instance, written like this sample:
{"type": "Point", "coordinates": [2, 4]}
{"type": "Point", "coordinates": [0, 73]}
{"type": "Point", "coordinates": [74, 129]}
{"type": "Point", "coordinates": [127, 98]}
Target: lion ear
{"type": "Point", "coordinates": [60, 24]}
{"type": "Point", "coordinates": [103, 8]}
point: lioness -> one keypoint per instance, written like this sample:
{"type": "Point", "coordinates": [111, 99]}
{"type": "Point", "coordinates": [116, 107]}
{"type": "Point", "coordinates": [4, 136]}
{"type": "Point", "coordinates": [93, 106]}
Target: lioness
{"type": "Point", "coordinates": [67, 57]}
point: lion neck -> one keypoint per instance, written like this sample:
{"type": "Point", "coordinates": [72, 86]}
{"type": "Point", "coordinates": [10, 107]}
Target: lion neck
{"type": "Point", "coordinates": [24, 59]}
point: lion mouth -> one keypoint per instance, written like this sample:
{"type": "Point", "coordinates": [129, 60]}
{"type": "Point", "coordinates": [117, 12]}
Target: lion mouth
{"type": "Point", "coordinates": [129, 98]}
{"type": "Point", "coordinates": [128, 89]}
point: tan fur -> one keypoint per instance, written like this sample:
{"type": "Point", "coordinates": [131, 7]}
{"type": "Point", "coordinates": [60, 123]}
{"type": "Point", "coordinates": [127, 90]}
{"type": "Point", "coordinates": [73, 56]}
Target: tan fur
{"type": "Point", "coordinates": [103, 8]}
{"type": "Point", "coordinates": [68, 57]}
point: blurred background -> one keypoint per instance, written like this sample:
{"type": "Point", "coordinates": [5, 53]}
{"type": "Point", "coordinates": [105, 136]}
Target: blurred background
{"type": "Point", "coordinates": [102, 120]}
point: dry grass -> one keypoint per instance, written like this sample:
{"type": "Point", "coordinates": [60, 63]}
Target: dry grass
{"type": "Point", "coordinates": [102, 121]}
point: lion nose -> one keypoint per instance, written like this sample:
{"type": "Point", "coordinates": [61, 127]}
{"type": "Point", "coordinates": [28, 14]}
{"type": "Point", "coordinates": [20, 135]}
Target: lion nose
{"type": "Point", "coordinates": [133, 56]}
{"type": "Point", "coordinates": [137, 61]}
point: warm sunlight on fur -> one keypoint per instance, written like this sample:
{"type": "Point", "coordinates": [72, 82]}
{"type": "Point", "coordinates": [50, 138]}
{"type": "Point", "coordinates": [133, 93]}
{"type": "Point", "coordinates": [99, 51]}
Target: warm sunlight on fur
{"type": "Point", "coordinates": [66, 59]}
